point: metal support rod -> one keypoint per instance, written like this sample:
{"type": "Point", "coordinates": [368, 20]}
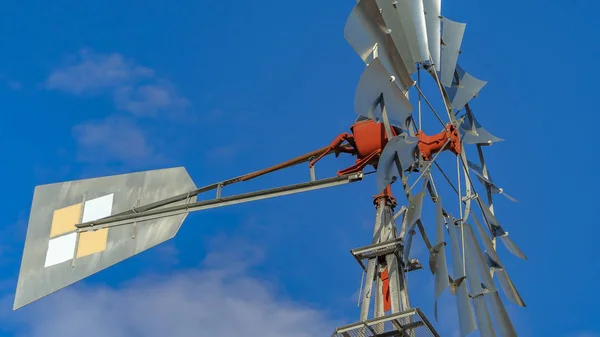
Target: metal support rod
{"type": "Point", "coordinates": [419, 105]}
{"type": "Point", "coordinates": [292, 162]}
{"type": "Point", "coordinates": [207, 204]}
{"type": "Point", "coordinates": [384, 117]}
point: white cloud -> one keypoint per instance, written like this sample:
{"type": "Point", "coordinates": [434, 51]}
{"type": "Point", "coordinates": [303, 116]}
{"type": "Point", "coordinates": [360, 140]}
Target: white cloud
{"type": "Point", "coordinates": [114, 139]}
{"type": "Point", "coordinates": [149, 99]}
{"type": "Point", "coordinates": [219, 300]}
{"type": "Point", "coordinates": [135, 88]}
{"type": "Point", "coordinates": [94, 71]}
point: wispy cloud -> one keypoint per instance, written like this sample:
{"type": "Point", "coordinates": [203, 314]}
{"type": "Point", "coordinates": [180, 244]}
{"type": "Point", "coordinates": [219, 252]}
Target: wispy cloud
{"type": "Point", "coordinates": [11, 83]}
{"type": "Point", "coordinates": [114, 139]}
{"type": "Point", "coordinates": [149, 99]}
{"type": "Point", "coordinates": [224, 152]}
{"type": "Point", "coordinates": [134, 88]}
{"type": "Point", "coordinates": [217, 301]}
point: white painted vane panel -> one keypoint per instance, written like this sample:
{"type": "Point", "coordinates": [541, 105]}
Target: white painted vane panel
{"type": "Point", "coordinates": [61, 249]}
{"type": "Point", "coordinates": [97, 208]}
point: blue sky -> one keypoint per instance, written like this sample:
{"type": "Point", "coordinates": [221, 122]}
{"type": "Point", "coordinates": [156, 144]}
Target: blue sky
{"type": "Point", "coordinates": [224, 88]}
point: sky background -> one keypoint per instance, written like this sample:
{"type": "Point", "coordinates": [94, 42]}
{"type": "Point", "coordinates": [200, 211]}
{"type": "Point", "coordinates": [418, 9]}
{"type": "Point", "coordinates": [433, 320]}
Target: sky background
{"type": "Point", "coordinates": [225, 88]}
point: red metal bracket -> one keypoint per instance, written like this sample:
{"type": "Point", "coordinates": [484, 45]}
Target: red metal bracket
{"type": "Point", "coordinates": [360, 164]}
{"type": "Point", "coordinates": [337, 147]}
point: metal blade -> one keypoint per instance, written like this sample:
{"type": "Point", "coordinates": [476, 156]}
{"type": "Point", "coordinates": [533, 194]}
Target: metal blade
{"type": "Point", "coordinates": [433, 9]}
{"type": "Point", "coordinates": [467, 88]}
{"type": "Point", "coordinates": [479, 172]}
{"type": "Point", "coordinates": [501, 192]}
{"type": "Point", "coordinates": [366, 32]}
{"type": "Point", "coordinates": [466, 320]}
{"type": "Point", "coordinates": [375, 83]}
{"type": "Point", "coordinates": [397, 32]}
{"type": "Point", "coordinates": [505, 326]}
{"type": "Point", "coordinates": [509, 288]}
{"type": "Point", "coordinates": [484, 320]}
{"type": "Point", "coordinates": [414, 208]}
{"type": "Point", "coordinates": [418, 15]}
{"type": "Point", "coordinates": [492, 261]}
{"type": "Point", "coordinates": [438, 263]}
{"type": "Point", "coordinates": [511, 246]}
{"type": "Point", "coordinates": [403, 8]}
{"type": "Point", "coordinates": [476, 284]}
{"type": "Point", "coordinates": [441, 268]}
{"type": "Point", "coordinates": [452, 34]}
{"type": "Point", "coordinates": [498, 231]}
{"type": "Point", "coordinates": [413, 214]}
{"type": "Point", "coordinates": [403, 146]}
{"type": "Point", "coordinates": [482, 263]}
{"type": "Point", "coordinates": [408, 237]}
{"type": "Point", "coordinates": [473, 133]}
{"type": "Point", "coordinates": [488, 181]}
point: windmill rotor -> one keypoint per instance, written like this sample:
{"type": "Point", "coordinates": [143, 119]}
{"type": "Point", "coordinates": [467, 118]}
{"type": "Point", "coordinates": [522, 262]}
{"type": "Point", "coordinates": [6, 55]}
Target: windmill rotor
{"type": "Point", "coordinates": [96, 223]}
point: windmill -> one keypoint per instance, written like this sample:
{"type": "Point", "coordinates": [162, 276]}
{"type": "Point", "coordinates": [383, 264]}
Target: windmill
{"type": "Point", "coordinates": [79, 228]}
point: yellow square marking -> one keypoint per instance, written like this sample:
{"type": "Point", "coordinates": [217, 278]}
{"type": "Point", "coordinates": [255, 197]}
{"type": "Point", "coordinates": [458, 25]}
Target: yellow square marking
{"type": "Point", "coordinates": [65, 219]}
{"type": "Point", "coordinates": [92, 242]}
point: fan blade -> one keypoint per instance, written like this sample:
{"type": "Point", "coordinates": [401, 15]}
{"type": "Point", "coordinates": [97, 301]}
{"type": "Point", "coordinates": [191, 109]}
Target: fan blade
{"type": "Point", "coordinates": [375, 83]}
{"type": "Point", "coordinates": [473, 133]}
{"type": "Point", "coordinates": [477, 287]}
{"type": "Point", "coordinates": [481, 261]}
{"type": "Point", "coordinates": [466, 320]}
{"type": "Point", "coordinates": [503, 322]}
{"type": "Point", "coordinates": [484, 320]}
{"type": "Point", "coordinates": [433, 9]}
{"type": "Point", "coordinates": [452, 34]}
{"type": "Point", "coordinates": [511, 246]}
{"type": "Point", "coordinates": [437, 259]}
{"type": "Point", "coordinates": [492, 261]}
{"type": "Point", "coordinates": [418, 13]}
{"type": "Point", "coordinates": [467, 88]}
{"type": "Point", "coordinates": [501, 192]}
{"type": "Point", "coordinates": [498, 231]}
{"type": "Point", "coordinates": [403, 146]}
{"type": "Point", "coordinates": [505, 326]}
{"type": "Point", "coordinates": [413, 214]}
{"type": "Point", "coordinates": [403, 8]}
{"type": "Point", "coordinates": [509, 288]}
{"type": "Point", "coordinates": [479, 172]}
{"type": "Point", "coordinates": [488, 181]}
{"type": "Point", "coordinates": [403, 41]}
{"type": "Point", "coordinates": [366, 33]}
{"type": "Point", "coordinates": [414, 208]}
{"type": "Point", "coordinates": [408, 237]}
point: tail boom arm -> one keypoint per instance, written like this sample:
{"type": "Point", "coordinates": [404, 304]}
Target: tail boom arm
{"type": "Point", "coordinates": [124, 219]}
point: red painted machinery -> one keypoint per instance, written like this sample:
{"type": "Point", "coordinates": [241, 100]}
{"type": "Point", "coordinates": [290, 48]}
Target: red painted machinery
{"type": "Point", "coordinates": [368, 139]}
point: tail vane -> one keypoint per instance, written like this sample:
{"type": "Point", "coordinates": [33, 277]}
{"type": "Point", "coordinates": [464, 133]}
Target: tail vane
{"type": "Point", "coordinates": [56, 254]}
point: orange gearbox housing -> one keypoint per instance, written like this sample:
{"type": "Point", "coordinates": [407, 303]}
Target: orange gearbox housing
{"type": "Point", "coordinates": [370, 137]}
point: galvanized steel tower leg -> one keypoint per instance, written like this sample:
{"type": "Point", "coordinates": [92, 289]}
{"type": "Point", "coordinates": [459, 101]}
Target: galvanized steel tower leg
{"type": "Point", "coordinates": [385, 231]}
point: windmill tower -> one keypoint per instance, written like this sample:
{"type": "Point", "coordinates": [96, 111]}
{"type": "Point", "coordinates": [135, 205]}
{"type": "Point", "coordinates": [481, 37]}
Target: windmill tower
{"type": "Point", "coordinates": [79, 228]}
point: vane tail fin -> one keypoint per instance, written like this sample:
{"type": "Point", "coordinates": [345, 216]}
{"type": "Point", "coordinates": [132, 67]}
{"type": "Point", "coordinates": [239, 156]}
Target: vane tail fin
{"type": "Point", "coordinates": [57, 254]}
